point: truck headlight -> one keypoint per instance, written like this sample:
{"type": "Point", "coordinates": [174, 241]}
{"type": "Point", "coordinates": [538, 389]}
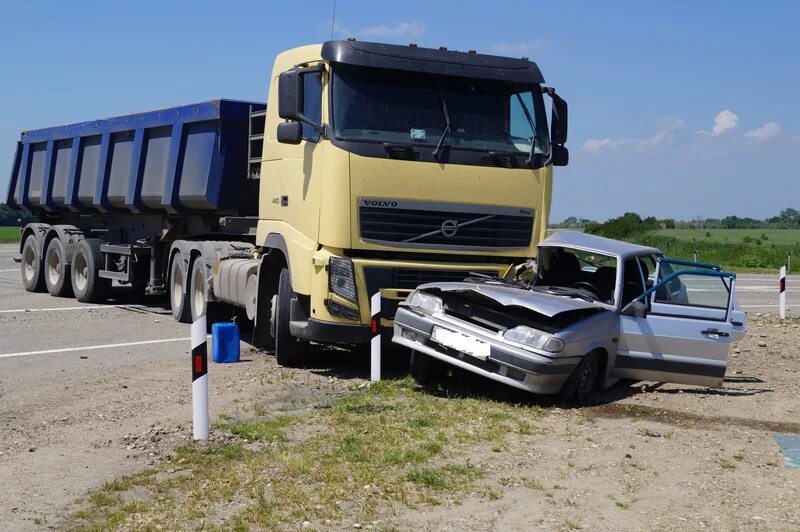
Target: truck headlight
{"type": "Point", "coordinates": [341, 279]}
{"type": "Point", "coordinates": [426, 302]}
{"type": "Point", "coordinates": [533, 338]}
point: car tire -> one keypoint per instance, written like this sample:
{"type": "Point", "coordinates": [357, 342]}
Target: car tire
{"type": "Point", "coordinates": [56, 270]}
{"type": "Point", "coordinates": [178, 291]}
{"type": "Point", "coordinates": [289, 351]}
{"type": "Point", "coordinates": [31, 266]}
{"type": "Point", "coordinates": [87, 284]}
{"type": "Point", "coordinates": [582, 384]}
{"type": "Point", "coordinates": [425, 369]}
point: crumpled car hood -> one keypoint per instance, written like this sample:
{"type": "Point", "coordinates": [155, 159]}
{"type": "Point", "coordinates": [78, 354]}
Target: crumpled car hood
{"type": "Point", "coordinates": [546, 304]}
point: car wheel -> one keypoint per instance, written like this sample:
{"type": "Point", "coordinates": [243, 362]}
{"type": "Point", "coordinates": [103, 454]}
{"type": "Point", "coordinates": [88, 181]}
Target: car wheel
{"type": "Point", "coordinates": [87, 284]}
{"type": "Point", "coordinates": [56, 270]}
{"type": "Point", "coordinates": [425, 369]}
{"type": "Point", "coordinates": [31, 266]}
{"type": "Point", "coordinates": [288, 350]}
{"type": "Point", "coordinates": [583, 382]}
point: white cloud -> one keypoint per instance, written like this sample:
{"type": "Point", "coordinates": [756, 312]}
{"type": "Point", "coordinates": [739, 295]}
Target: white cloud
{"type": "Point", "coordinates": [725, 120]}
{"type": "Point", "coordinates": [381, 31]}
{"type": "Point", "coordinates": [519, 48]}
{"type": "Point", "coordinates": [666, 125]}
{"type": "Point", "coordinates": [763, 133]}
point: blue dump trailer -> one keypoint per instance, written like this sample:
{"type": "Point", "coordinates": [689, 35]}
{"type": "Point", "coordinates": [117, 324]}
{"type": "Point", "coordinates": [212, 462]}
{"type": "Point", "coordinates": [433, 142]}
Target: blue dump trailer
{"type": "Point", "coordinates": [121, 199]}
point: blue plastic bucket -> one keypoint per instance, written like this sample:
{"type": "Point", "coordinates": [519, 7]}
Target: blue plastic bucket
{"type": "Point", "coordinates": [224, 343]}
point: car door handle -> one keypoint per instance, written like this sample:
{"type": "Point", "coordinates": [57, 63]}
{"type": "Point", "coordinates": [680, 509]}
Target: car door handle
{"type": "Point", "coordinates": [714, 332]}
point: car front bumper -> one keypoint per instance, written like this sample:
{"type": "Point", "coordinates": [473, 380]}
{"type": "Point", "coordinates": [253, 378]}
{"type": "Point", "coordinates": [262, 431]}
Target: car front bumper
{"type": "Point", "coordinates": [505, 364]}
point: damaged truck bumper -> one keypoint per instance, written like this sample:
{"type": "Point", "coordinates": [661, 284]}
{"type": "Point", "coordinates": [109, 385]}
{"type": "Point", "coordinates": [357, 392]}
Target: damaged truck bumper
{"type": "Point", "coordinates": [502, 363]}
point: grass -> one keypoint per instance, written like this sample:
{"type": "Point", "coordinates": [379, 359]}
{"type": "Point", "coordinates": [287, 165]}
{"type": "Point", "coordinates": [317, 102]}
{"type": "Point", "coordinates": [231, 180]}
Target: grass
{"type": "Point", "coordinates": [9, 235]}
{"type": "Point", "coordinates": [391, 443]}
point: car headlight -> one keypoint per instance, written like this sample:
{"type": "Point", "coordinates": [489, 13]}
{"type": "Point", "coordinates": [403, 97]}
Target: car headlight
{"type": "Point", "coordinates": [424, 301]}
{"type": "Point", "coordinates": [340, 278]}
{"type": "Point", "coordinates": [533, 338]}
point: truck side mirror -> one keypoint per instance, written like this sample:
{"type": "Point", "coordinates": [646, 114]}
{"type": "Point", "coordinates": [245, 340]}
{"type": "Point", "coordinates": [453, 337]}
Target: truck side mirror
{"type": "Point", "coordinates": [290, 95]}
{"type": "Point", "coordinates": [290, 132]}
{"type": "Point", "coordinates": [560, 155]}
{"type": "Point", "coordinates": [558, 120]}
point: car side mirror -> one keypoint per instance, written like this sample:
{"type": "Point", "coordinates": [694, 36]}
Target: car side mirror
{"type": "Point", "coordinates": [290, 132]}
{"type": "Point", "coordinates": [636, 308]}
{"type": "Point", "coordinates": [290, 95]}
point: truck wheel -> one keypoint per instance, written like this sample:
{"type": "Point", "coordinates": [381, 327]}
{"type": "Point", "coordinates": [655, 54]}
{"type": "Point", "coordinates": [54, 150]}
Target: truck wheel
{"type": "Point", "coordinates": [288, 351]}
{"type": "Point", "coordinates": [426, 369]}
{"type": "Point", "coordinates": [31, 267]}
{"type": "Point", "coordinates": [581, 385]}
{"type": "Point", "coordinates": [198, 295]}
{"type": "Point", "coordinates": [87, 284]}
{"type": "Point", "coordinates": [56, 270]}
{"type": "Point", "coordinates": [177, 291]}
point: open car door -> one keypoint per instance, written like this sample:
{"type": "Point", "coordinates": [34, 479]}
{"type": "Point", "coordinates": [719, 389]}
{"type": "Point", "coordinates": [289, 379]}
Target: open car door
{"type": "Point", "coordinates": [685, 335]}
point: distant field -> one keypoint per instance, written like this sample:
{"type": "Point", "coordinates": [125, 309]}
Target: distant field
{"type": "Point", "coordinates": [733, 236]}
{"type": "Point", "coordinates": [9, 235]}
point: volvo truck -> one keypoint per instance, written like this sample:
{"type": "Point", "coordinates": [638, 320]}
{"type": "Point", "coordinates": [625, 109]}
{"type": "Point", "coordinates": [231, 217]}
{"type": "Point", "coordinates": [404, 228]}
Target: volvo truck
{"type": "Point", "coordinates": [371, 168]}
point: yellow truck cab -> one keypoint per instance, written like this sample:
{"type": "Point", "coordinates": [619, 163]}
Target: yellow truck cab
{"type": "Point", "coordinates": [388, 166]}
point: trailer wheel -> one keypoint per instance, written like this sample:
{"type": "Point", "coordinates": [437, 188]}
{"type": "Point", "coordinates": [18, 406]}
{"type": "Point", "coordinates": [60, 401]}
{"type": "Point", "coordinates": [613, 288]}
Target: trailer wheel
{"type": "Point", "coordinates": [87, 284]}
{"type": "Point", "coordinates": [31, 267]}
{"type": "Point", "coordinates": [198, 295]}
{"type": "Point", "coordinates": [288, 351]}
{"type": "Point", "coordinates": [177, 291]}
{"type": "Point", "coordinates": [425, 369]}
{"type": "Point", "coordinates": [56, 270]}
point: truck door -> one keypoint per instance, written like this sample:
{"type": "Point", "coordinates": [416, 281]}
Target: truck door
{"type": "Point", "coordinates": [685, 333]}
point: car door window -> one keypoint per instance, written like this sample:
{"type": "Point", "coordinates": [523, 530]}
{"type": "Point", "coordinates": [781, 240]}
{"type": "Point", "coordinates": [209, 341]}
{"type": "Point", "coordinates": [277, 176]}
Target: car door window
{"type": "Point", "coordinates": [692, 293]}
{"type": "Point", "coordinates": [632, 283]}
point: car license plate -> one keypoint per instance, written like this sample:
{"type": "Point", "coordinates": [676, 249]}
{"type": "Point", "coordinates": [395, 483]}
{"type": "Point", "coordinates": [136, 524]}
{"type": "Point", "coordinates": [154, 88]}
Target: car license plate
{"type": "Point", "coordinates": [461, 343]}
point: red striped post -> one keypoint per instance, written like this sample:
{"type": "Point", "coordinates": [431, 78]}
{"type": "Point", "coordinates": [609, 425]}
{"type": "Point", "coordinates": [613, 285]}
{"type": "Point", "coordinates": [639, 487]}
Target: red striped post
{"type": "Point", "coordinates": [782, 292]}
{"type": "Point", "coordinates": [199, 379]}
{"type": "Point", "coordinates": [375, 342]}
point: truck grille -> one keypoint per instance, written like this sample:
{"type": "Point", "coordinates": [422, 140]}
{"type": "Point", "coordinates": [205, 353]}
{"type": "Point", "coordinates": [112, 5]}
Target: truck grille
{"type": "Point", "coordinates": [421, 224]}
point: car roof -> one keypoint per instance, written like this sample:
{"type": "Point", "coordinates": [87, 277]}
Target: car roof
{"type": "Point", "coordinates": [587, 242]}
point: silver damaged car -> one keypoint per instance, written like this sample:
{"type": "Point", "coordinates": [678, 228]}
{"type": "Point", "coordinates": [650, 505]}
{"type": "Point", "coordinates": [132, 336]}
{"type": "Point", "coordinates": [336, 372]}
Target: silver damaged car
{"type": "Point", "coordinates": [590, 311]}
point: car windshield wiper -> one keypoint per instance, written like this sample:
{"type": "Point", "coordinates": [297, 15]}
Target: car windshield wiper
{"type": "Point", "coordinates": [439, 144]}
{"type": "Point", "coordinates": [573, 292]}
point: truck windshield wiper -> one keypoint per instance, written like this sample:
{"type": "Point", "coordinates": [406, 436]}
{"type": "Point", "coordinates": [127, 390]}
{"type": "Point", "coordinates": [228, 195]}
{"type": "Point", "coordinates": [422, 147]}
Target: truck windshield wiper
{"type": "Point", "coordinates": [436, 150]}
{"type": "Point", "coordinates": [525, 110]}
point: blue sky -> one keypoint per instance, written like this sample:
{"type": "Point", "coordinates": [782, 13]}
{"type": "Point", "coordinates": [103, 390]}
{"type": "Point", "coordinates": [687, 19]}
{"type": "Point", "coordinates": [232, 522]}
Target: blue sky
{"type": "Point", "coordinates": [678, 109]}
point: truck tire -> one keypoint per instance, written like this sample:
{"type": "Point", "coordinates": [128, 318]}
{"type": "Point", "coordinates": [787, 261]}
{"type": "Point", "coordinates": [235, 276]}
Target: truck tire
{"type": "Point", "coordinates": [56, 270]}
{"type": "Point", "coordinates": [198, 296]}
{"type": "Point", "coordinates": [288, 351]}
{"type": "Point", "coordinates": [31, 266]}
{"type": "Point", "coordinates": [178, 299]}
{"type": "Point", "coordinates": [581, 385]}
{"type": "Point", "coordinates": [87, 284]}
{"type": "Point", "coordinates": [425, 369]}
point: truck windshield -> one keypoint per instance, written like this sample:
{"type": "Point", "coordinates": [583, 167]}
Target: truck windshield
{"type": "Point", "coordinates": [406, 108]}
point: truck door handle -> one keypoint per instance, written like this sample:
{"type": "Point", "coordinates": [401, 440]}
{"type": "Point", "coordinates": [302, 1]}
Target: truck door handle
{"type": "Point", "coordinates": [714, 332]}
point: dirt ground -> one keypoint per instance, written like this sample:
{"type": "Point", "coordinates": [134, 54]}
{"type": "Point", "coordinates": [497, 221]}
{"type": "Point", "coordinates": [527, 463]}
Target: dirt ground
{"type": "Point", "coordinates": [646, 456]}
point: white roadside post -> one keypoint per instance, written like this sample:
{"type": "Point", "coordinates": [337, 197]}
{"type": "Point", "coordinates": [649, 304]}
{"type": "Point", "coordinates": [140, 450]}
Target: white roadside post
{"type": "Point", "coordinates": [199, 380]}
{"type": "Point", "coordinates": [375, 343]}
{"type": "Point", "coordinates": [782, 289]}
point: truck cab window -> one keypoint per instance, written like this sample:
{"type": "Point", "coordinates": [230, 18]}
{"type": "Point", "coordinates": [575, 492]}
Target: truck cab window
{"type": "Point", "coordinates": [312, 104]}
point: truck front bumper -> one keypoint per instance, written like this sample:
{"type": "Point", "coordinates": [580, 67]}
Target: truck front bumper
{"type": "Point", "coordinates": [506, 364]}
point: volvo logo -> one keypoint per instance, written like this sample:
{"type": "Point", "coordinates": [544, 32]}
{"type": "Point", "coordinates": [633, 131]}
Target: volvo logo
{"type": "Point", "coordinates": [378, 203]}
{"type": "Point", "coordinates": [450, 228]}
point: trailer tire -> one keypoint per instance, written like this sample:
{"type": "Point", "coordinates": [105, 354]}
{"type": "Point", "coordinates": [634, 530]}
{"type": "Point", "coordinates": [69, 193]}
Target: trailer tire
{"type": "Point", "coordinates": [178, 299]}
{"type": "Point", "coordinates": [425, 369]}
{"type": "Point", "coordinates": [31, 266]}
{"type": "Point", "coordinates": [87, 284]}
{"type": "Point", "coordinates": [199, 304]}
{"type": "Point", "coordinates": [56, 270]}
{"type": "Point", "coordinates": [288, 351]}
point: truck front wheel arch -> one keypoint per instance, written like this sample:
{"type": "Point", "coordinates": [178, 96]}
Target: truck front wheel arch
{"type": "Point", "coordinates": [268, 278]}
